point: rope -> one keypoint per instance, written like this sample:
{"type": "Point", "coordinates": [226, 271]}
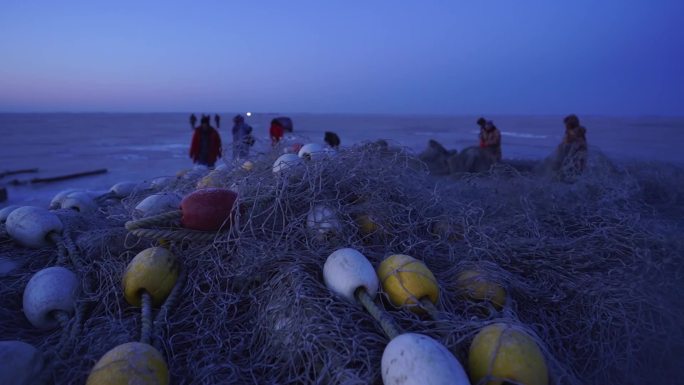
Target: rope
{"type": "Point", "coordinates": [154, 220]}
{"type": "Point", "coordinates": [388, 325]}
{"type": "Point", "coordinates": [175, 235]}
{"type": "Point", "coordinates": [62, 255]}
{"type": "Point", "coordinates": [102, 198]}
{"type": "Point", "coordinates": [431, 309]}
{"type": "Point", "coordinates": [146, 330]}
{"type": "Point", "coordinates": [169, 304]}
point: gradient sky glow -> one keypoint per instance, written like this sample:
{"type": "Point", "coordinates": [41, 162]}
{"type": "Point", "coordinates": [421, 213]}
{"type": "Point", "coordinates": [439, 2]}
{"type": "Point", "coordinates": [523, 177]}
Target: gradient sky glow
{"type": "Point", "coordinates": [616, 57]}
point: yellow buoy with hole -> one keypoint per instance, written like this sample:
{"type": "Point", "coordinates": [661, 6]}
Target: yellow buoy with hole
{"type": "Point", "coordinates": [154, 270]}
{"type": "Point", "coordinates": [505, 353]}
{"type": "Point", "coordinates": [131, 363]}
{"type": "Point", "coordinates": [407, 280]}
{"type": "Point", "coordinates": [476, 286]}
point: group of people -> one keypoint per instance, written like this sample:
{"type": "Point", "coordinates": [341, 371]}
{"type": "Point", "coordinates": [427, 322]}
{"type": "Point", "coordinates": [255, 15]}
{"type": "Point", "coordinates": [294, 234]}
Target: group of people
{"type": "Point", "coordinates": [206, 146]}
{"type": "Point", "coordinates": [574, 144]}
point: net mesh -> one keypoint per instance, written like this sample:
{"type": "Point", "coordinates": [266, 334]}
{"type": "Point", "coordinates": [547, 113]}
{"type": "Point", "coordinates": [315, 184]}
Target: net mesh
{"type": "Point", "coordinates": [591, 270]}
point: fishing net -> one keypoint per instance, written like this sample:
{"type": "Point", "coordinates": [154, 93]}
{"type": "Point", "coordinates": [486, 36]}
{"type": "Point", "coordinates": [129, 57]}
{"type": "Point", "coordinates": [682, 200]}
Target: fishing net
{"type": "Point", "coordinates": [591, 267]}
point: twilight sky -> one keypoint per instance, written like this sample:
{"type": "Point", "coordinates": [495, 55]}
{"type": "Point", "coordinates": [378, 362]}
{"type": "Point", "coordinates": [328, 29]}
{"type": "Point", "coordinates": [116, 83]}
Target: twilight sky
{"type": "Point", "coordinates": [616, 57]}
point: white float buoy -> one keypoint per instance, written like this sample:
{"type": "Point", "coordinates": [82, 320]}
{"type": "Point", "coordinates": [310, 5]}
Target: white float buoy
{"type": "Point", "coordinates": [80, 201]}
{"type": "Point", "coordinates": [30, 226]}
{"type": "Point", "coordinates": [159, 203]}
{"type": "Point", "coordinates": [50, 290]}
{"type": "Point", "coordinates": [5, 212]}
{"type": "Point", "coordinates": [20, 363]}
{"type": "Point", "coordinates": [322, 219]}
{"type": "Point", "coordinates": [346, 270]}
{"type": "Point", "coordinates": [162, 182]}
{"type": "Point", "coordinates": [416, 359]}
{"type": "Point", "coordinates": [286, 162]}
{"type": "Point", "coordinates": [312, 151]}
{"type": "Point", "coordinates": [56, 202]}
{"type": "Point", "coordinates": [123, 189]}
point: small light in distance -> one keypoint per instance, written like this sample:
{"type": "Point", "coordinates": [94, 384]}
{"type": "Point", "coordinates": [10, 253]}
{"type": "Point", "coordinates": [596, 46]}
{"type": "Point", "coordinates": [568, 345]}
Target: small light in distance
{"type": "Point", "coordinates": [249, 114]}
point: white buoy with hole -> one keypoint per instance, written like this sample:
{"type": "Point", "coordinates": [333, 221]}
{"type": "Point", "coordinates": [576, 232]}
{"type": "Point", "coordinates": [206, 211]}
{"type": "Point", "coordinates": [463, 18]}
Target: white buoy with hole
{"type": "Point", "coordinates": [123, 189]}
{"type": "Point", "coordinates": [346, 270]}
{"type": "Point", "coordinates": [30, 226]}
{"type": "Point", "coordinates": [5, 212]}
{"type": "Point", "coordinates": [158, 203]}
{"type": "Point", "coordinates": [80, 201]}
{"type": "Point", "coordinates": [286, 162]}
{"type": "Point", "coordinates": [416, 359]}
{"type": "Point", "coordinates": [323, 219]}
{"type": "Point", "coordinates": [20, 363]}
{"type": "Point", "coordinates": [312, 151]}
{"type": "Point", "coordinates": [49, 291]}
{"type": "Point", "coordinates": [56, 202]}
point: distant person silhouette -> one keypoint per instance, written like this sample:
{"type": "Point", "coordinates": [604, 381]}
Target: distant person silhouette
{"type": "Point", "coordinates": [276, 132]}
{"type": "Point", "coordinates": [332, 139]}
{"type": "Point", "coordinates": [242, 137]}
{"type": "Point", "coordinates": [490, 140]}
{"type": "Point", "coordinates": [574, 145]}
{"type": "Point", "coordinates": [193, 121]}
{"type": "Point", "coordinates": [217, 119]}
{"type": "Point", "coordinates": [482, 122]}
{"type": "Point", "coordinates": [205, 147]}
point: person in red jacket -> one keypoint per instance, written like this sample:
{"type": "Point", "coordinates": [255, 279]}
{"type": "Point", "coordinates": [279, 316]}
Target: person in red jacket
{"type": "Point", "coordinates": [277, 131]}
{"type": "Point", "coordinates": [206, 144]}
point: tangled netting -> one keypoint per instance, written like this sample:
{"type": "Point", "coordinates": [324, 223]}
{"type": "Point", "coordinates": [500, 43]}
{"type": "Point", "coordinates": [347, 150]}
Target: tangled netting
{"type": "Point", "coordinates": [592, 270]}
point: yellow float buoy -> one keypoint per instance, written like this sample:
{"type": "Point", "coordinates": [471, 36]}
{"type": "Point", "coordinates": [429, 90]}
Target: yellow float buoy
{"type": "Point", "coordinates": [211, 180]}
{"type": "Point", "coordinates": [130, 363]}
{"type": "Point", "coordinates": [248, 165]}
{"type": "Point", "coordinates": [475, 285]}
{"type": "Point", "coordinates": [367, 224]}
{"type": "Point", "coordinates": [153, 270]}
{"type": "Point", "coordinates": [407, 280]}
{"type": "Point", "coordinates": [505, 353]}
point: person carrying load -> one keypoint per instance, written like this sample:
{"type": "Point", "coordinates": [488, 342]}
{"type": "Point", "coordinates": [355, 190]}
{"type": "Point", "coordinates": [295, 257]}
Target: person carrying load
{"type": "Point", "coordinates": [573, 149]}
{"type": "Point", "coordinates": [490, 140]}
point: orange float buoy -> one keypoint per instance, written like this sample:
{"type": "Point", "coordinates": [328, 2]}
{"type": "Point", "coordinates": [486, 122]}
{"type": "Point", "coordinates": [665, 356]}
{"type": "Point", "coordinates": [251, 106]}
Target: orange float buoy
{"type": "Point", "coordinates": [208, 209]}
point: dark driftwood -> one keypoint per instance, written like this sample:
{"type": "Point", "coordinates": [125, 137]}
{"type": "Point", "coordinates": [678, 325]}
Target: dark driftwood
{"type": "Point", "coordinates": [13, 172]}
{"type": "Point", "coordinates": [59, 178]}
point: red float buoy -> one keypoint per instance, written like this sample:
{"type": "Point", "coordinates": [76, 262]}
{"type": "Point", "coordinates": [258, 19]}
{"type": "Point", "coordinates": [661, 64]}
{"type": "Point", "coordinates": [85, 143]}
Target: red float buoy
{"type": "Point", "coordinates": [207, 209]}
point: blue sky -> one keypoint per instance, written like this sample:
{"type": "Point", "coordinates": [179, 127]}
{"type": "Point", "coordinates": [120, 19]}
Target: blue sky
{"type": "Point", "coordinates": [443, 57]}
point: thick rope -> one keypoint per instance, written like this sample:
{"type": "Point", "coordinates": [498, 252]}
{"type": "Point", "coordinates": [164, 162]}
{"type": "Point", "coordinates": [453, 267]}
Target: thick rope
{"type": "Point", "coordinates": [154, 220]}
{"type": "Point", "coordinates": [175, 235]}
{"type": "Point", "coordinates": [146, 330]}
{"type": "Point", "coordinates": [430, 308]}
{"type": "Point", "coordinates": [388, 325]}
{"type": "Point", "coordinates": [169, 305]}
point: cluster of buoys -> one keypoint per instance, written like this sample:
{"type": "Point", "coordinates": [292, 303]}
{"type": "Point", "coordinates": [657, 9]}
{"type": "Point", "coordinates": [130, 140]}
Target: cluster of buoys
{"type": "Point", "coordinates": [297, 154]}
{"type": "Point", "coordinates": [50, 296]}
{"type": "Point", "coordinates": [499, 353]}
{"type": "Point", "coordinates": [147, 282]}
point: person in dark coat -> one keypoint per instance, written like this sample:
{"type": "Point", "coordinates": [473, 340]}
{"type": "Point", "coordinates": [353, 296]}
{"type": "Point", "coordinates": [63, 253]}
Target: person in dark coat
{"type": "Point", "coordinates": [205, 147]}
{"type": "Point", "coordinates": [332, 139]}
{"type": "Point", "coordinates": [242, 137]}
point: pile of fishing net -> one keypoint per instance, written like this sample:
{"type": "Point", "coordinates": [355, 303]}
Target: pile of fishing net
{"type": "Point", "coordinates": [591, 271]}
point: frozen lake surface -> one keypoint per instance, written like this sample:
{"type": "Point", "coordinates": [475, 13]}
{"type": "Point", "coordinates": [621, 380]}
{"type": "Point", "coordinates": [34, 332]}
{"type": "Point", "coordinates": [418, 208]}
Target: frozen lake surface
{"type": "Point", "coordinates": [142, 146]}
